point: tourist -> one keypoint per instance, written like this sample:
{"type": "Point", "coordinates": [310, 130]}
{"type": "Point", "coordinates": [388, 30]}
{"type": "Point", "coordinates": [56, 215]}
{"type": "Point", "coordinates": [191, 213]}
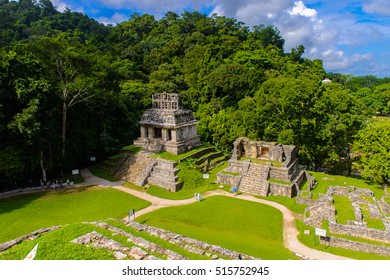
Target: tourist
{"type": "Point", "coordinates": [235, 191]}
{"type": "Point", "coordinates": [198, 197]}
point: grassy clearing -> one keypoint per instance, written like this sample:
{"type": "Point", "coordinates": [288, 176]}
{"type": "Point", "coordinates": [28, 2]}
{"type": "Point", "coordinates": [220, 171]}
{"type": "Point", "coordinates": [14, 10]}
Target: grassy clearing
{"type": "Point", "coordinates": [290, 203]}
{"type": "Point", "coordinates": [344, 209]}
{"type": "Point", "coordinates": [325, 180]}
{"type": "Point", "coordinates": [371, 222]}
{"type": "Point", "coordinates": [308, 240]}
{"type": "Point", "coordinates": [246, 227]}
{"type": "Point", "coordinates": [102, 173]}
{"type": "Point", "coordinates": [23, 214]}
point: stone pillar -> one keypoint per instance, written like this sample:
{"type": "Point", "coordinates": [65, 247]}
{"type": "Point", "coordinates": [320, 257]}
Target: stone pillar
{"type": "Point", "coordinates": [150, 132]}
{"type": "Point", "coordinates": [174, 135]}
{"type": "Point", "coordinates": [143, 132]}
{"type": "Point", "coordinates": [164, 134]}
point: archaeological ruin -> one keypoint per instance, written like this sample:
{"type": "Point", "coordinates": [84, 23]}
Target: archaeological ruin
{"type": "Point", "coordinates": [365, 207]}
{"type": "Point", "coordinates": [263, 168]}
{"type": "Point", "coordinates": [167, 127]}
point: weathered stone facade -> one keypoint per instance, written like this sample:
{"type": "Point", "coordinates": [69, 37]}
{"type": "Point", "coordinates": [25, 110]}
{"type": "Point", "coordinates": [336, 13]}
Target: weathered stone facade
{"type": "Point", "coordinates": [167, 127]}
{"type": "Point", "coordinates": [258, 164]}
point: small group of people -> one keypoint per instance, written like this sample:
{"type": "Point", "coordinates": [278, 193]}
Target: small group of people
{"type": "Point", "coordinates": [56, 184]}
{"type": "Point", "coordinates": [197, 197]}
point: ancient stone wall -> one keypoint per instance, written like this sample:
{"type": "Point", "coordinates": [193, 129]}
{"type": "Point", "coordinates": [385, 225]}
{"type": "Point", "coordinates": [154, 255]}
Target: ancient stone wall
{"type": "Point", "coordinates": [227, 179]}
{"type": "Point", "coordinates": [30, 236]}
{"type": "Point", "coordinates": [164, 175]}
{"type": "Point", "coordinates": [238, 166]}
{"type": "Point", "coordinates": [357, 246]}
{"type": "Point", "coordinates": [276, 153]}
{"type": "Point", "coordinates": [279, 173]}
{"type": "Point", "coordinates": [359, 231]}
{"type": "Point", "coordinates": [281, 190]}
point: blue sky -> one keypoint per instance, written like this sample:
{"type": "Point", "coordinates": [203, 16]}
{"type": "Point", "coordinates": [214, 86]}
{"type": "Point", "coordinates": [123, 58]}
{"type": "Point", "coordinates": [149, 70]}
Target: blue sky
{"type": "Point", "coordinates": [351, 37]}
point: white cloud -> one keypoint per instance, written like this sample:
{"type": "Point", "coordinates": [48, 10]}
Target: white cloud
{"type": "Point", "coordinates": [59, 5]}
{"type": "Point", "coordinates": [381, 7]}
{"type": "Point", "coordinates": [116, 18]}
{"type": "Point", "coordinates": [300, 9]}
{"type": "Point", "coordinates": [156, 7]}
{"type": "Point", "coordinates": [336, 60]}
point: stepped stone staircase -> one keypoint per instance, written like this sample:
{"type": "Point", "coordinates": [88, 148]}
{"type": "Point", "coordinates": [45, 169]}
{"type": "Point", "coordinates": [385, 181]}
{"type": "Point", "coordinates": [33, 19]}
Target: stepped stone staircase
{"type": "Point", "coordinates": [164, 174]}
{"type": "Point", "coordinates": [136, 168]}
{"type": "Point", "coordinates": [255, 180]}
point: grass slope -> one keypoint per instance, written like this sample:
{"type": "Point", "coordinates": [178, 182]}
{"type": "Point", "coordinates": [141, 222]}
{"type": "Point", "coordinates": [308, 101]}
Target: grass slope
{"type": "Point", "coordinates": [23, 214]}
{"type": "Point", "coordinates": [246, 227]}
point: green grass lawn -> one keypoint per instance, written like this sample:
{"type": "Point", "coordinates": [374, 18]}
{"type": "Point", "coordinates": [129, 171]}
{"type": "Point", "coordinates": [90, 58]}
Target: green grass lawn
{"type": "Point", "coordinates": [56, 245]}
{"type": "Point", "coordinates": [251, 228]}
{"type": "Point", "coordinates": [23, 214]}
{"type": "Point", "coordinates": [290, 203]}
{"type": "Point", "coordinates": [344, 209]}
{"type": "Point", "coordinates": [102, 173]}
{"type": "Point", "coordinates": [326, 180]}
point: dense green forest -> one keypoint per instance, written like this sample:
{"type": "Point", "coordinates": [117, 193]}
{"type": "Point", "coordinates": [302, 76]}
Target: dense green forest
{"type": "Point", "coordinates": [71, 88]}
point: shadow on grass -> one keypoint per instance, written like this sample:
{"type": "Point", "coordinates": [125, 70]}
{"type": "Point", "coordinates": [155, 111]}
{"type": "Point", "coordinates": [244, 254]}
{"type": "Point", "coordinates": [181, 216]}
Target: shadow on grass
{"type": "Point", "coordinates": [21, 200]}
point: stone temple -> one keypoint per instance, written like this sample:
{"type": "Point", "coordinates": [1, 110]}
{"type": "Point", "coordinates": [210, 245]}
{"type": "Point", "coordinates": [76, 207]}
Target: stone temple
{"type": "Point", "coordinates": [167, 127]}
{"type": "Point", "coordinates": [263, 168]}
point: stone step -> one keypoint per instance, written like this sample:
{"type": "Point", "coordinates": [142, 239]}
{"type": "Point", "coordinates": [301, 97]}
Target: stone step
{"type": "Point", "coordinates": [120, 251]}
{"type": "Point", "coordinates": [141, 242]}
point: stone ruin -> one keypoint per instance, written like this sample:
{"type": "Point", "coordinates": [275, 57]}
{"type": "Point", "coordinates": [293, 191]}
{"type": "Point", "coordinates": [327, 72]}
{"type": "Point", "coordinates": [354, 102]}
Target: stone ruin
{"type": "Point", "coordinates": [167, 127]}
{"type": "Point", "coordinates": [263, 168]}
{"type": "Point", "coordinates": [323, 209]}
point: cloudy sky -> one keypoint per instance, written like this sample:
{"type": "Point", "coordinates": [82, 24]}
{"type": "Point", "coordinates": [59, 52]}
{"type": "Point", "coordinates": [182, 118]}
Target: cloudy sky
{"type": "Point", "coordinates": [351, 37]}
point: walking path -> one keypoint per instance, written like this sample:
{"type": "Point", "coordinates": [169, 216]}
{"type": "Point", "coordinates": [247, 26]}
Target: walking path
{"type": "Point", "coordinates": [290, 231]}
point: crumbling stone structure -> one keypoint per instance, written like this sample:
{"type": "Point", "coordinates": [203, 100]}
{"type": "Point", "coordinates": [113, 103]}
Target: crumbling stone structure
{"type": "Point", "coordinates": [323, 209]}
{"type": "Point", "coordinates": [167, 127]}
{"type": "Point", "coordinates": [263, 168]}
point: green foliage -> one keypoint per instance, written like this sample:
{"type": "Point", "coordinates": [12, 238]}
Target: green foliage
{"type": "Point", "coordinates": [71, 87]}
{"type": "Point", "coordinates": [372, 144]}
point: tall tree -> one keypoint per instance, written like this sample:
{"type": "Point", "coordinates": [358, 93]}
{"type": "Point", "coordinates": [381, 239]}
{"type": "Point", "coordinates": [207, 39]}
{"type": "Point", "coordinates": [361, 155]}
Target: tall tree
{"type": "Point", "coordinates": [372, 144]}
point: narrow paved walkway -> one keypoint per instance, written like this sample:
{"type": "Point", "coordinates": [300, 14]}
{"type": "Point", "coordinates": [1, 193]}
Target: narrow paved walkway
{"type": "Point", "coordinates": [290, 231]}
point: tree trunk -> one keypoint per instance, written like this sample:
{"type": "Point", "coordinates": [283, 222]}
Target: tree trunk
{"type": "Point", "coordinates": [64, 116]}
{"type": "Point", "coordinates": [44, 177]}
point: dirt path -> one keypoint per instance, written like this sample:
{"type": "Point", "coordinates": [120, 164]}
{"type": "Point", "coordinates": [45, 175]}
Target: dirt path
{"type": "Point", "coordinates": [290, 231]}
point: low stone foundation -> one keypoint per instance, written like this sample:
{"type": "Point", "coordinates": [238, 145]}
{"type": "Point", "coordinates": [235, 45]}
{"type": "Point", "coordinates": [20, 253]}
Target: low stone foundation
{"type": "Point", "coordinates": [31, 236]}
{"type": "Point", "coordinates": [357, 246]}
{"type": "Point", "coordinates": [360, 231]}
